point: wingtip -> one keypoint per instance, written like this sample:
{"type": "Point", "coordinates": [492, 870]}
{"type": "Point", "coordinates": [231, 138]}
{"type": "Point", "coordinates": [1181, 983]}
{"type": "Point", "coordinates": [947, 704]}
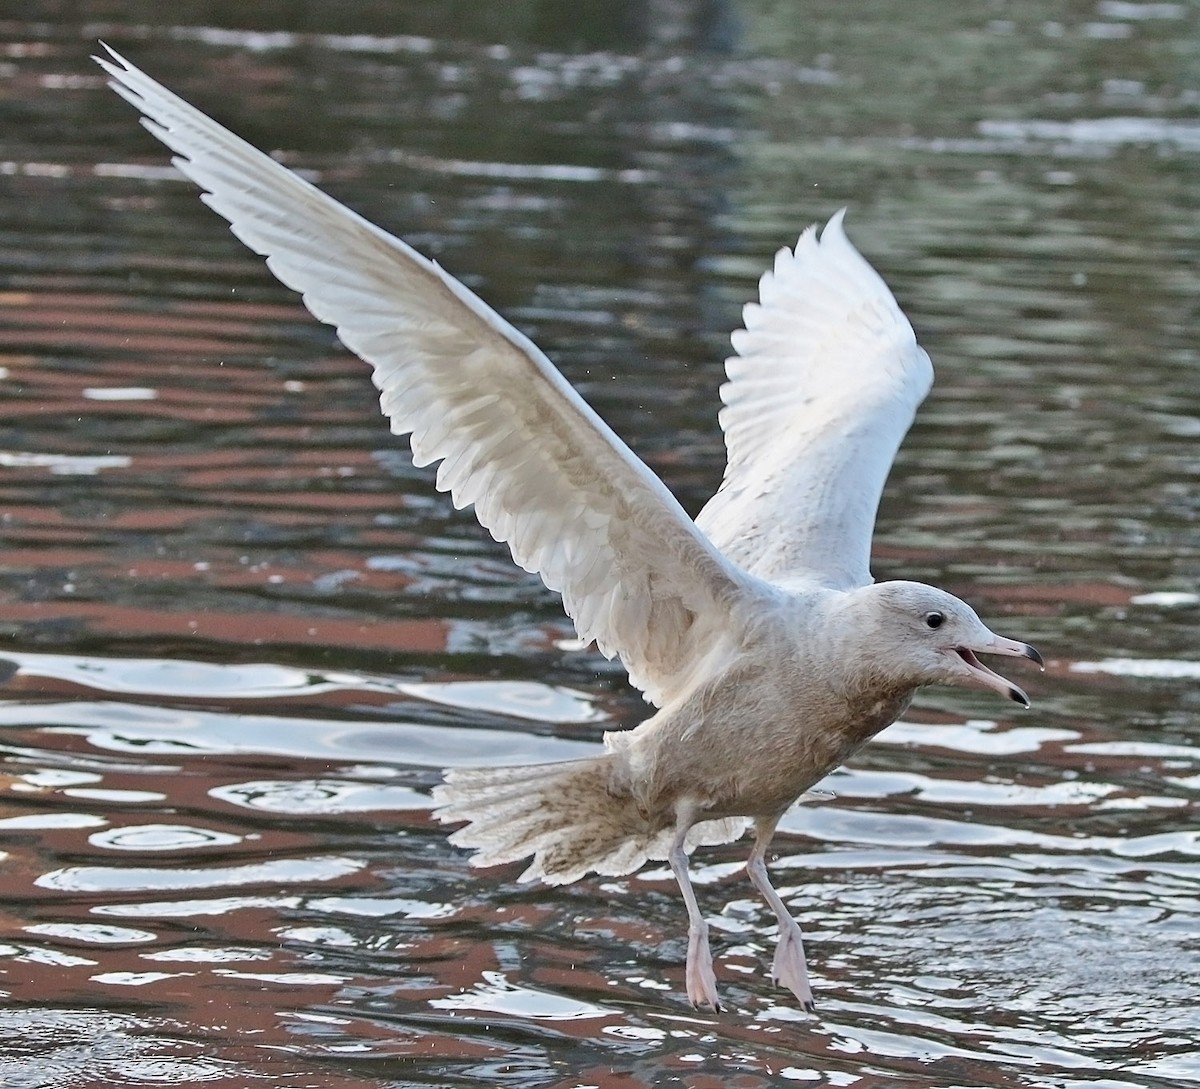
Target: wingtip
{"type": "Point", "coordinates": [114, 64]}
{"type": "Point", "coordinates": [835, 224]}
{"type": "Point", "coordinates": [816, 234]}
{"type": "Point", "coordinates": [113, 55]}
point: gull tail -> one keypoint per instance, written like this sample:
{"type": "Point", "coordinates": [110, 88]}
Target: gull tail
{"type": "Point", "coordinates": [572, 816]}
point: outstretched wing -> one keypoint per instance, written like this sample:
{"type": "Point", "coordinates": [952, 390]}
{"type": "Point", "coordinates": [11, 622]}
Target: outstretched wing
{"type": "Point", "coordinates": [824, 386]}
{"type": "Point", "coordinates": [544, 472]}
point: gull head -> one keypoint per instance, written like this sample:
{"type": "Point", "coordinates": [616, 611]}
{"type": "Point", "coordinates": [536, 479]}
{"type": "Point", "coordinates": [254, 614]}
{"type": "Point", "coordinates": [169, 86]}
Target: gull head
{"type": "Point", "coordinates": [926, 636]}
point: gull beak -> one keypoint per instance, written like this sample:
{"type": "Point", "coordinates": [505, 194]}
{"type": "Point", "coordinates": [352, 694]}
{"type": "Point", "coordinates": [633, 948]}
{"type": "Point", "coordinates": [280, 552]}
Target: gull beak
{"type": "Point", "coordinates": [989, 678]}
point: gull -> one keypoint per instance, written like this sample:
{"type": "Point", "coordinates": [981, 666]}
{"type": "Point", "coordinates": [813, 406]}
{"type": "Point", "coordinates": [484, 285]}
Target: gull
{"type": "Point", "coordinates": [756, 631]}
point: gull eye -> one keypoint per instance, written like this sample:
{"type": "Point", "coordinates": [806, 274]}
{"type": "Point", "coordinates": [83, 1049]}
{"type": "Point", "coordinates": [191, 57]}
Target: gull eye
{"type": "Point", "coordinates": [934, 619]}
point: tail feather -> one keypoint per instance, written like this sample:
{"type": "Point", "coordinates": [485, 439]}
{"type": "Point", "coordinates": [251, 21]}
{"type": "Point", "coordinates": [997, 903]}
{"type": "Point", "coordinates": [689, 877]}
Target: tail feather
{"type": "Point", "coordinates": [504, 791]}
{"type": "Point", "coordinates": [507, 804]}
{"type": "Point", "coordinates": [568, 815]}
{"type": "Point", "coordinates": [509, 839]}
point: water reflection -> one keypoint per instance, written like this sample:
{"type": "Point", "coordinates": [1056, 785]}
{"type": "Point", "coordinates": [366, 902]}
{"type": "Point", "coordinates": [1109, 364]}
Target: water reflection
{"type": "Point", "coordinates": [160, 837]}
{"type": "Point", "coordinates": [319, 796]}
{"type": "Point", "coordinates": [148, 879]}
{"type": "Point", "coordinates": [243, 633]}
{"type": "Point", "coordinates": [497, 995]}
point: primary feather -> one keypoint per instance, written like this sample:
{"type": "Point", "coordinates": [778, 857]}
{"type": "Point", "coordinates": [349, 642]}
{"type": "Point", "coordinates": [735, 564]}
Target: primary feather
{"type": "Point", "coordinates": [545, 474]}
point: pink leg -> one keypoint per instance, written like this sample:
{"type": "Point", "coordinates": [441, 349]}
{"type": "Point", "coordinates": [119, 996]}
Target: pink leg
{"type": "Point", "coordinates": [789, 967]}
{"type": "Point", "coordinates": [701, 982]}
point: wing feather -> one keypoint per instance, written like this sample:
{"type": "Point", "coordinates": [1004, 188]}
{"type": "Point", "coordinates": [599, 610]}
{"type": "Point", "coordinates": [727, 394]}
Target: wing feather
{"type": "Point", "coordinates": [544, 472]}
{"type": "Point", "coordinates": [824, 386]}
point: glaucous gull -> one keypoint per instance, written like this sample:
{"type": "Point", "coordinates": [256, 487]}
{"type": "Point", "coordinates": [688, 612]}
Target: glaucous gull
{"type": "Point", "coordinates": [756, 631]}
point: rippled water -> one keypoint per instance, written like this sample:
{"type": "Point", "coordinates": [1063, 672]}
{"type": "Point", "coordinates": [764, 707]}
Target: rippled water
{"type": "Point", "coordinates": [242, 634]}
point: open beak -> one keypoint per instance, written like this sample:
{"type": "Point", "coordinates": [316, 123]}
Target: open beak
{"type": "Point", "coordinates": [989, 678]}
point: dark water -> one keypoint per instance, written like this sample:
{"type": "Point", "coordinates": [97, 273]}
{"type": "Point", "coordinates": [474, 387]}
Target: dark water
{"type": "Point", "coordinates": [242, 634]}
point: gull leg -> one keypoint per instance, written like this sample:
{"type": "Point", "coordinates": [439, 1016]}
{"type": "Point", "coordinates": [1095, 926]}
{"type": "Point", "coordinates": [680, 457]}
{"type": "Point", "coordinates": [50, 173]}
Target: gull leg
{"type": "Point", "coordinates": [701, 982]}
{"type": "Point", "coordinates": [789, 967]}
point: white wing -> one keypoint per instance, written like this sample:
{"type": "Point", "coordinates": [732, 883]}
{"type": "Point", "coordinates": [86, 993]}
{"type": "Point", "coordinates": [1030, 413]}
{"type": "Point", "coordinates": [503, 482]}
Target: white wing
{"type": "Point", "coordinates": [825, 383]}
{"type": "Point", "coordinates": [544, 472]}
